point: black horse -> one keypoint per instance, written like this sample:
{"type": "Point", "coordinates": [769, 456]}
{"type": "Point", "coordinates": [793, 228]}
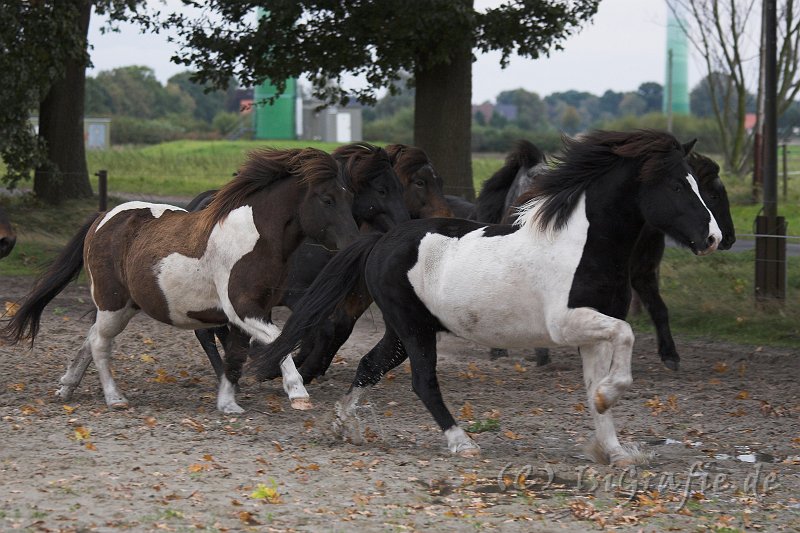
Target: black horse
{"type": "Point", "coordinates": [8, 238]}
{"type": "Point", "coordinates": [552, 279]}
{"type": "Point", "coordinates": [377, 204]}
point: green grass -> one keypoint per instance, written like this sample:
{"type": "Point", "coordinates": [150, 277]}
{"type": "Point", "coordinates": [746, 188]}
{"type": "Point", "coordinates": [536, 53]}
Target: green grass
{"type": "Point", "coordinates": [179, 168]}
{"type": "Point", "coordinates": [713, 297]}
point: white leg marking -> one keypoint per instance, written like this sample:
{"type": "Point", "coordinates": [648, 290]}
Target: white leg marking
{"type": "Point", "coordinates": [76, 368]}
{"type": "Point", "coordinates": [346, 423]}
{"type": "Point", "coordinates": [459, 442]}
{"type": "Point", "coordinates": [606, 345]}
{"type": "Point", "coordinates": [293, 385]}
{"type": "Point", "coordinates": [108, 325]}
{"type": "Point", "coordinates": [226, 397]}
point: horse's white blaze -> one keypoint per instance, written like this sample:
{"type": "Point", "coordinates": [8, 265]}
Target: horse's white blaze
{"type": "Point", "coordinates": [713, 227]}
{"type": "Point", "coordinates": [155, 209]}
{"type": "Point", "coordinates": [192, 284]}
{"type": "Point", "coordinates": [506, 291]}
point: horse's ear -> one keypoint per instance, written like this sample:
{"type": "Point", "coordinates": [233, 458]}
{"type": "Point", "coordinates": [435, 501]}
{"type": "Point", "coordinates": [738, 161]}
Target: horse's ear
{"type": "Point", "coordinates": [688, 146]}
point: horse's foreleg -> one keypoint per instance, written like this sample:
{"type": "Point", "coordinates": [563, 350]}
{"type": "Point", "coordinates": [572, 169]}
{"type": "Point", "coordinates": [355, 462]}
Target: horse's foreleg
{"type": "Point", "coordinates": [646, 284]}
{"type": "Point", "coordinates": [108, 325]}
{"type": "Point", "coordinates": [606, 344]}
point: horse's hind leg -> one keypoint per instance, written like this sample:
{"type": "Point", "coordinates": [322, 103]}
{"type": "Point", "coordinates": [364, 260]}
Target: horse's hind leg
{"type": "Point", "coordinates": [384, 356]}
{"type": "Point", "coordinates": [236, 345]}
{"type": "Point", "coordinates": [97, 346]}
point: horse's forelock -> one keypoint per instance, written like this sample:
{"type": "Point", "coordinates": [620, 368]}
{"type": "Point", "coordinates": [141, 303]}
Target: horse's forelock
{"type": "Point", "coordinates": [312, 166]}
{"type": "Point", "coordinates": [363, 162]}
{"type": "Point", "coordinates": [407, 160]}
{"type": "Point", "coordinates": [703, 168]}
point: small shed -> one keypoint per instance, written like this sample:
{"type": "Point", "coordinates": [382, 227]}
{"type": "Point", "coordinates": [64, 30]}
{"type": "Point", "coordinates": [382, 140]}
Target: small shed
{"type": "Point", "coordinates": [332, 124]}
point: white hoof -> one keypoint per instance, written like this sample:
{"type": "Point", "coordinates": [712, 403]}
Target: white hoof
{"type": "Point", "coordinates": [118, 403]}
{"type": "Point", "coordinates": [459, 443]}
{"type": "Point", "coordinates": [347, 426]}
{"type": "Point", "coordinates": [230, 409]}
{"type": "Point", "coordinates": [65, 393]}
{"type": "Point", "coordinates": [302, 404]}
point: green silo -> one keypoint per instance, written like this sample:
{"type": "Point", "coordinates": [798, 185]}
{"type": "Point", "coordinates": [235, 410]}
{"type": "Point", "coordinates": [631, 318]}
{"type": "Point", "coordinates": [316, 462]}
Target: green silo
{"type": "Point", "coordinates": [276, 121]}
{"type": "Point", "coordinates": [676, 88]}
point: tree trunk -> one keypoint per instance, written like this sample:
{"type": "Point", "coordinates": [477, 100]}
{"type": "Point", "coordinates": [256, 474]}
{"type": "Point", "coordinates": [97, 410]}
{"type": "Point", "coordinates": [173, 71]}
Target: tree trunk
{"type": "Point", "coordinates": [61, 127]}
{"type": "Point", "coordinates": [443, 119]}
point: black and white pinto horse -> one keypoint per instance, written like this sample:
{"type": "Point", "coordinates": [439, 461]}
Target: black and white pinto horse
{"type": "Point", "coordinates": [524, 164]}
{"type": "Point", "coordinates": [552, 279]}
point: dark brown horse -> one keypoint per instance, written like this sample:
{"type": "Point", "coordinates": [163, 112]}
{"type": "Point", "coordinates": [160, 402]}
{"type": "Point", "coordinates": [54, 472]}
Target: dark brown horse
{"type": "Point", "coordinates": [7, 236]}
{"type": "Point", "coordinates": [196, 270]}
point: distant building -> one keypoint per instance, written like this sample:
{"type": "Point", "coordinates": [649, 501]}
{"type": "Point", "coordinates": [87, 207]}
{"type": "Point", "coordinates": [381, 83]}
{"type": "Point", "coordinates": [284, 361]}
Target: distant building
{"type": "Point", "coordinates": [331, 124]}
{"type": "Point", "coordinates": [96, 132]}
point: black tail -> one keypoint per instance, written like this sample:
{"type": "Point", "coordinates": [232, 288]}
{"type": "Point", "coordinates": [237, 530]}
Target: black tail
{"type": "Point", "coordinates": [330, 287]}
{"type": "Point", "coordinates": [491, 204]}
{"type": "Point", "coordinates": [66, 267]}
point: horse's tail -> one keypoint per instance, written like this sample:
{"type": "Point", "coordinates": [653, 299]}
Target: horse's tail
{"type": "Point", "coordinates": [491, 204]}
{"type": "Point", "coordinates": [64, 269]}
{"type": "Point", "coordinates": [330, 287]}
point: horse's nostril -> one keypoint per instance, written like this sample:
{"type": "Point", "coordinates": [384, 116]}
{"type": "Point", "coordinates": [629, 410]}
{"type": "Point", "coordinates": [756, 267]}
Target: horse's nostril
{"type": "Point", "coordinates": [711, 240]}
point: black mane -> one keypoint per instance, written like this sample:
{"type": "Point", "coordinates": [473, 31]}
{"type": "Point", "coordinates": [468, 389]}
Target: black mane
{"type": "Point", "coordinates": [589, 157]}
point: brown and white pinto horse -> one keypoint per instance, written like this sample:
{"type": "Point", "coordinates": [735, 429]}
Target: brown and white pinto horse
{"type": "Point", "coordinates": [7, 236]}
{"type": "Point", "coordinates": [217, 266]}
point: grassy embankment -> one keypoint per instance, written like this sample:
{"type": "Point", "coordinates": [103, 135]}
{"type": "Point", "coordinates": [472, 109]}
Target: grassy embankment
{"type": "Point", "coordinates": [711, 296]}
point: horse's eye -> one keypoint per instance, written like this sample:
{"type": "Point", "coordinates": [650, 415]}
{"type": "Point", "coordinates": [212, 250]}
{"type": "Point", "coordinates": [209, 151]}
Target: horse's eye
{"type": "Point", "coordinates": [327, 200]}
{"type": "Point", "coordinates": [381, 192]}
{"type": "Point", "coordinates": [419, 183]}
{"type": "Point", "coordinates": [677, 187]}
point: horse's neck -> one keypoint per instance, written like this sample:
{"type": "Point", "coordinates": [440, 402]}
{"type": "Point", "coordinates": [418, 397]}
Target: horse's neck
{"type": "Point", "coordinates": [602, 279]}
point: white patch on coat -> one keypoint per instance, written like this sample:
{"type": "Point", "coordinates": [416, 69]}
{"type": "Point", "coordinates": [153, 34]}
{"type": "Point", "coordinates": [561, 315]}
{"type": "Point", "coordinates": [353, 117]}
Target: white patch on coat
{"type": "Point", "coordinates": [508, 291]}
{"type": "Point", "coordinates": [155, 209]}
{"type": "Point", "coordinates": [191, 284]}
{"type": "Point", "coordinates": [713, 227]}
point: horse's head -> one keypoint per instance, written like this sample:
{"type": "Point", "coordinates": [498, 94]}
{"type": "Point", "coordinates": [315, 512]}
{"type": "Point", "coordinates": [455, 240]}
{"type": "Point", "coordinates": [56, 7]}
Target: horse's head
{"type": "Point", "coordinates": [713, 192]}
{"type": "Point", "coordinates": [326, 210]}
{"type": "Point", "coordinates": [669, 196]}
{"type": "Point", "coordinates": [423, 194]}
{"type": "Point", "coordinates": [7, 236]}
{"type": "Point", "coordinates": [377, 193]}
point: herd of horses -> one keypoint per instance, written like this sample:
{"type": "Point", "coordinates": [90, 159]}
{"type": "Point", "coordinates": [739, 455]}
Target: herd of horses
{"type": "Point", "coordinates": [546, 257]}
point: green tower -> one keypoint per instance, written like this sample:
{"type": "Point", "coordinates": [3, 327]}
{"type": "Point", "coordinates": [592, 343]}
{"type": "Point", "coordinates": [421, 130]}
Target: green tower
{"type": "Point", "coordinates": [676, 88]}
{"type": "Point", "coordinates": [276, 121]}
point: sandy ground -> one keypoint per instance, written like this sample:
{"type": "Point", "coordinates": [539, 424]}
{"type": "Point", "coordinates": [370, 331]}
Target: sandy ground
{"type": "Point", "coordinates": [723, 433]}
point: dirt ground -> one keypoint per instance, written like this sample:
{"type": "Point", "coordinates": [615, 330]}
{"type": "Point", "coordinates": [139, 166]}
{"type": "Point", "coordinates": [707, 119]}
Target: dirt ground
{"type": "Point", "coordinates": [723, 432]}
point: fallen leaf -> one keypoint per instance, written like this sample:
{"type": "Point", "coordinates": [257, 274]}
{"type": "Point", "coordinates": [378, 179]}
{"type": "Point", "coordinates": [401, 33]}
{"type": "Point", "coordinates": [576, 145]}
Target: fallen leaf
{"type": "Point", "coordinates": [263, 492]}
{"type": "Point", "coordinates": [18, 387]}
{"type": "Point", "coordinates": [579, 407]}
{"type": "Point", "coordinates": [519, 368]}
{"type": "Point", "coordinates": [278, 447]}
{"type": "Point", "coordinates": [721, 366]}
{"type": "Point", "coordinates": [11, 309]}
{"type": "Point", "coordinates": [197, 426]}
{"type": "Point", "coordinates": [248, 518]}
{"type": "Point", "coordinates": [69, 409]}
{"type": "Point", "coordinates": [150, 421]}
{"type": "Point", "coordinates": [147, 358]}
{"type": "Point", "coordinates": [90, 446]}
{"type": "Point", "coordinates": [163, 377]}
{"type": "Point", "coordinates": [467, 413]}
{"type": "Point", "coordinates": [511, 435]}
{"type": "Point", "coordinates": [743, 395]}
{"type": "Point", "coordinates": [81, 433]}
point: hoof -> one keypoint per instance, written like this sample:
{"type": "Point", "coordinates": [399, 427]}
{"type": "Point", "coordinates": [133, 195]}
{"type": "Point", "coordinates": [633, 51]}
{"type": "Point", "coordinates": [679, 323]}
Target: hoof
{"type": "Point", "coordinates": [231, 409]}
{"type": "Point", "coordinates": [600, 402]}
{"type": "Point", "coordinates": [469, 452]}
{"type": "Point", "coordinates": [118, 405]}
{"type": "Point", "coordinates": [302, 404]}
{"type": "Point", "coordinates": [672, 364]}
{"type": "Point", "coordinates": [65, 393]}
{"type": "Point", "coordinates": [497, 353]}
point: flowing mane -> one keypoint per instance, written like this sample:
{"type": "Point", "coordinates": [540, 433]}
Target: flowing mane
{"type": "Point", "coordinates": [264, 168]}
{"type": "Point", "coordinates": [362, 163]}
{"type": "Point", "coordinates": [556, 192]}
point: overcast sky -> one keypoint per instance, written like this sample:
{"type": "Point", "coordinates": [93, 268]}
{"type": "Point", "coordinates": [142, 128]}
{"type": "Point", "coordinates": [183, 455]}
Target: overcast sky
{"type": "Point", "coordinates": [624, 46]}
